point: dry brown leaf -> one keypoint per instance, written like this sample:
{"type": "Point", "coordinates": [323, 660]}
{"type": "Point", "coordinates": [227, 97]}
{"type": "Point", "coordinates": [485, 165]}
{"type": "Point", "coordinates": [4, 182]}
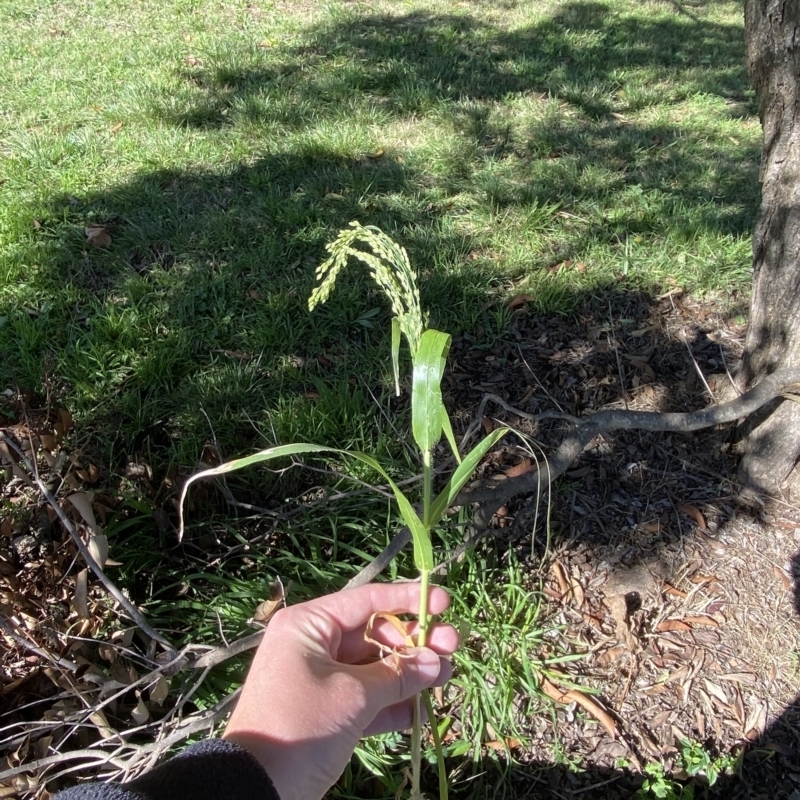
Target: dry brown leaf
{"type": "Point", "coordinates": [756, 721]}
{"type": "Point", "coordinates": [561, 578]}
{"type": "Point", "coordinates": [578, 595]}
{"type": "Point", "coordinates": [160, 690]}
{"type": "Point", "coordinates": [671, 590]}
{"type": "Point", "coordinates": [672, 625]}
{"type": "Point", "coordinates": [97, 236]}
{"type": "Point", "coordinates": [611, 655]}
{"type": "Point", "coordinates": [98, 548]}
{"type": "Point", "coordinates": [379, 153]}
{"type": "Point", "coordinates": [618, 606]}
{"type": "Point", "coordinates": [585, 702]}
{"type": "Point", "coordinates": [703, 620]}
{"type": "Point", "coordinates": [101, 723]}
{"type": "Point", "coordinates": [782, 577]}
{"type": "Point", "coordinates": [266, 610]}
{"type": "Point", "coordinates": [140, 713]}
{"type": "Point", "coordinates": [488, 425]}
{"type": "Point", "coordinates": [716, 691]}
{"type": "Point", "coordinates": [701, 579]}
{"type": "Point", "coordinates": [334, 196]}
{"type": "Point", "coordinates": [523, 468]}
{"type": "Point", "coordinates": [82, 502]}
{"type": "Point", "coordinates": [520, 299]}
{"type": "Point", "coordinates": [695, 513]}
{"type": "Point", "coordinates": [81, 597]}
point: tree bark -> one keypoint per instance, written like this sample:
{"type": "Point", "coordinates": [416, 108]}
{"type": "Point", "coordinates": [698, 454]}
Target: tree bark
{"type": "Point", "coordinates": [771, 438]}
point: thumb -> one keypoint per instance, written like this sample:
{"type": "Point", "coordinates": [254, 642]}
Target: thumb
{"type": "Point", "coordinates": [397, 678]}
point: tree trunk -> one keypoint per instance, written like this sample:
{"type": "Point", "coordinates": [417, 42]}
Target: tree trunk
{"type": "Point", "coordinates": [771, 444]}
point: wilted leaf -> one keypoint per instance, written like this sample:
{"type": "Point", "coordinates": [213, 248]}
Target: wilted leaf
{"type": "Point", "coordinates": [334, 196]}
{"type": "Point", "coordinates": [585, 702]}
{"type": "Point", "coordinates": [520, 299]}
{"type": "Point", "coordinates": [141, 713]}
{"type": "Point", "coordinates": [81, 597]}
{"type": "Point", "coordinates": [672, 625]}
{"type": "Point", "coordinates": [379, 153]}
{"type": "Point", "coordinates": [98, 547]}
{"type": "Point", "coordinates": [695, 514]}
{"type": "Point", "coordinates": [101, 723]}
{"type": "Point", "coordinates": [63, 425]}
{"type": "Point", "coordinates": [611, 655]}
{"type": "Point", "coordinates": [83, 505]}
{"type": "Point", "coordinates": [523, 468]}
{"type": "Point", "coordinates": [561, 578]}
{"type": "Point", "coordinates": [160, 691]}
{"type": "Point", "coordinates": [701, 620]}
{"type": "Point", "coordinates": [266, 610]}
{"type": "Point", "coordinates": [97, 235]}
{"type": "Point", "coordinates": [618, 606]}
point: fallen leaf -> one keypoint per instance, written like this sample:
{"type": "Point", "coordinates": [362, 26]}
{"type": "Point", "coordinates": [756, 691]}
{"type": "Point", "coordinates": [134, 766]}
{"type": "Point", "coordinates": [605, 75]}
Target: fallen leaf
{"type": "Point", "coordinates": [672, 625]}
{"type": "Point", "coordinates": [701, 620]}
{"type": "Point", "coordinates": [98, 548]}
{"type": "Point", "coordinates": [585, 702]}
{"type": "Point", "coordinates": [488, 425]}
{"type": "Point", "coordinates": [140, 714]}
{"type": "Point", "coordinates": [82, 503]}
{"type": "Point", "coordinates": [520, 299]}
{"type": "Point", "coordinates": [266, 610]}
{"type": "Point", "coordinates": [756, 721]}
{"type": "Point", "coordinates": [782, 577]}
{"type": "Point", "coordinates": [254, 294]}
{"type": "Point", "coordinates": [611, 655]}
{"type": "Point", "coordinates": [379, 153]}
{"type": "Point", "coordinates": [695, 514]}
{"type": "Point", "coordinates": [618, 606]}
{"type": "Point", "coordinates": [334, 196]}
{"type": "Point", "coordinates": [101, 723]}
{"type": "Point", "coordinates": [97, 236]}
{"type": "Point", "coordinates": [118, 127]}
{"type": "Point", "coordinates": [160, 690]}
{"type": "Point", "coordinates": [523, 468]}
{"type": "Point", "coordinates": [81, 597]}
{"type": "Point", "coordinates": [671, 590]}
{"type": "Point", "coordinates": [561, 578]}
{"type": "Point", "coordinates": [191, 61]}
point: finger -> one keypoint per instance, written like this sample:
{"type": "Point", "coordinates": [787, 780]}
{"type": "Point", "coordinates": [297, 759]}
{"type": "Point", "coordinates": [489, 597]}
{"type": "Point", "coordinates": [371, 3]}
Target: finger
{"type": "Point", "coordinates": [353, 607]}
{"type": "Point", "coordinates": [354, 649]}
{"type": "Point", "coordinates": [394, 679]}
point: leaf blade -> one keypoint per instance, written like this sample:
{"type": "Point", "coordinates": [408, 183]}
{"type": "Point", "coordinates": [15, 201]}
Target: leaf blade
{"type": "Point", "coordinates": [426, 390]}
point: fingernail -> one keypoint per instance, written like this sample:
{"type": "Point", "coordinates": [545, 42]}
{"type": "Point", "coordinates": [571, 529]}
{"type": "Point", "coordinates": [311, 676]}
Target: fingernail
{"type": "Point", "coordinates": [425, 661]}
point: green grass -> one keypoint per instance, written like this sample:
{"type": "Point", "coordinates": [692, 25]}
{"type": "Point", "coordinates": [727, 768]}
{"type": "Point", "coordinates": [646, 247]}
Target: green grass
{"type": "Point", "coordinates": [224, 143]}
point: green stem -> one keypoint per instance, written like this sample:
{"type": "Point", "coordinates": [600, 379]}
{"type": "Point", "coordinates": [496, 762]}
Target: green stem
{"type": "Point", "coordinates": [437, 746]}
{"type": "Point", "coordinates": [424, 586]}
{"type": "Point", "coordinates": [416, 751]}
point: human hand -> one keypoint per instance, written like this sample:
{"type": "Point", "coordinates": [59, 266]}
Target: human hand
{"type": "Point", "coordinates": [316, 687]}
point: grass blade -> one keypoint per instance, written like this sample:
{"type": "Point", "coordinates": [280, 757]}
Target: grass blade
{"type": "Point", "coordinates": [396, 354]}
{"type": "Point", "coordinates": [462, 474]}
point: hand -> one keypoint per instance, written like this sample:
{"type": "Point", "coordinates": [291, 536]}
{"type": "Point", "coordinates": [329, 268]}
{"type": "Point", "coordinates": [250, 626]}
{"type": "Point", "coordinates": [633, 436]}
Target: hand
{"type": "Point", "coordinates": [316, 687]}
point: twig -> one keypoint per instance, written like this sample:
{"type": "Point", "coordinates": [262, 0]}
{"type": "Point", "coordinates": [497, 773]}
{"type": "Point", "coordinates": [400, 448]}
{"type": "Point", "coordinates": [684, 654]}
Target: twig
{"type": "Point", "coordinates": [111, 588]}
{"type": "Point", "coordinates": [23, 642]}
{"type": "Point", "coordinates": [616, 354]}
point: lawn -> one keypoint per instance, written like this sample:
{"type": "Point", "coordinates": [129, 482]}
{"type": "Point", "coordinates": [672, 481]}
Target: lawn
{"type": "Point", "coordinates": [170, 174]}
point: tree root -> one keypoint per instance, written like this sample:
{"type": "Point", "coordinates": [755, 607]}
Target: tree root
{"type": "Point", "coordinates": [783, 382]}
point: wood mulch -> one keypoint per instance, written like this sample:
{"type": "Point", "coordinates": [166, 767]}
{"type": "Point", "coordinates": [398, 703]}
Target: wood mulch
{"type": "Point", "coordinates": [684, 596]}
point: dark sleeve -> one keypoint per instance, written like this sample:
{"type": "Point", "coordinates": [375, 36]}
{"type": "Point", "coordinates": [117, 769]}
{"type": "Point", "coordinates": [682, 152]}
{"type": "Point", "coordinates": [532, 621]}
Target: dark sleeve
{"type": "Point", "coordinates": [213, 769]}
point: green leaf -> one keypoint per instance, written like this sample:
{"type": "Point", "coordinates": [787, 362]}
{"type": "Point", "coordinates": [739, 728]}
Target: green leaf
{"type": "Point", "coordinates": [462, 474]}
{"type": "Point", "coordinates": [396, 354]}
{"type": "Point", "coordinates": [448, 432]}
{"type": "Point", "coordinates": [426, 391]}
{"type": "Point", "coordinates": [423, 551]}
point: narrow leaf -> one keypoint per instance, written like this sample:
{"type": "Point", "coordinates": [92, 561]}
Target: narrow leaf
{"type": "Point", "coordinates": [426, 392]}
{"type": "Point", "coordinates": [448, 432]}
{"type": "Point", "coordinates": [423, 551]}
{"type": "Point", "coordinates": [396, 354]}
{"type": "Point", "coordinates": [463, 474]}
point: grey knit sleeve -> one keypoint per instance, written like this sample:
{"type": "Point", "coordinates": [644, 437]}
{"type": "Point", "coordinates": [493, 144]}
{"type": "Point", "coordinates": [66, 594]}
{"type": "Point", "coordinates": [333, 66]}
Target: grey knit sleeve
{"type": "Point", "coordinates": [212, 770]}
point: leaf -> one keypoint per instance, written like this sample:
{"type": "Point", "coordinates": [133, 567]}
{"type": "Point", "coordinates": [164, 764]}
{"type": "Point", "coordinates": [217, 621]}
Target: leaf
{"type": "Point", "coordinates": [140, 714]}
{"type": "Point", "coordinates": [426, 390]}
{"type": "Point", "coordinates": [396, 332]}
{"type": "Point", "coordinates": [523, 468]}
{"type": "Point", "coordinates": [267, 609]}
{"type": "Point", "coordinates": [101, 723]}
{"type": "Point", "coordinates": [695, 514]}
{"type": "Point", "coordinates": [97, 236]}
{"type": "Point", "coordinates": [672, 625]}
{"type": "Point", "coordinates": [334, 196]}
{"type": "Point", "coordinates": [709, 622]}
{"type": "Point", "coordinates": [81, 598]}
{"type": "Point", "coordinates": [585, 702]}
{"type": "Point", "coordinates": [520, 299]}
{"type": "Point", "coordinates": [462, 474]}
{"type": "Point", "coordinates": [379, 153]}
{"type": "Point", "coordinates": [160, 690]}
{"type": "Point", "coordinates": [83, 505]}
{"type": "Point", "coordinates": [448, 432]}
{"type": "Point", "coordinates": [423, 552]}
{"type": "Point", "coordinates": [98, 548]}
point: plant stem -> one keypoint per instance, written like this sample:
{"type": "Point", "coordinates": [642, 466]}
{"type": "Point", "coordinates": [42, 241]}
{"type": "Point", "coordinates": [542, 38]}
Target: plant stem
{"type": "Point", "coordinates": [424, 584]}
{"type": "Point", "coordinates": [416, 750]}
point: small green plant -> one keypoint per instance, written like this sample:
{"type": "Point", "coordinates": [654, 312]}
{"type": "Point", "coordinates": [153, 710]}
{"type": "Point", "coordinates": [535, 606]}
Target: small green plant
{"type": "Point", "coordinates": [697, 760]}
{"type": "Point", "coordinates": [390, 268]}
{"type": "Point", "coordinates": [658, 784]}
